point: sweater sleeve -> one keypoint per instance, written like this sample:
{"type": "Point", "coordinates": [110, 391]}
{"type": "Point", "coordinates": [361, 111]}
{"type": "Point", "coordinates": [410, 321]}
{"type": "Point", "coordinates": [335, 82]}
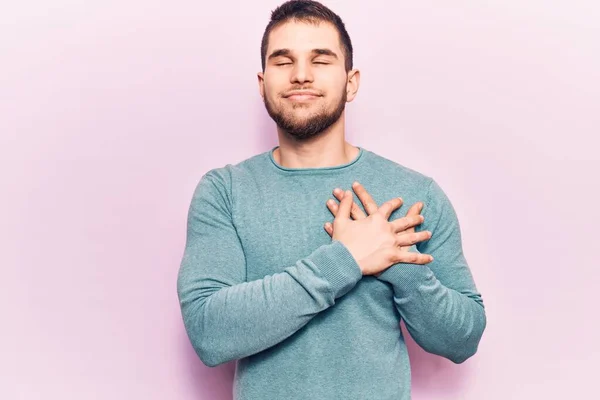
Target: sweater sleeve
{"type": "Point", "coordinates": [228, 318]}
{"type": "Point", "coordinates": [439, 302]}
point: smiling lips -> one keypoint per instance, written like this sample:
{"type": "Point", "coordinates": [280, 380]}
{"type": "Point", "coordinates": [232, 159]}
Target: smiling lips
{"type": "Point", "coordinates": [302, 95]}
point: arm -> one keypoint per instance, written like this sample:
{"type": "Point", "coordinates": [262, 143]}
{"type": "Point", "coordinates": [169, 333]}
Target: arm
{"type": "Point", "coordinates": [227, 318]}
{"type": "Point", "coordinates": [439, 302]}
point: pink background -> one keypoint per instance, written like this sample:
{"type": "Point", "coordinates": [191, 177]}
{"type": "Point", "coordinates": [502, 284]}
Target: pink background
{"type": "Point", "coordinates": [110, 112]}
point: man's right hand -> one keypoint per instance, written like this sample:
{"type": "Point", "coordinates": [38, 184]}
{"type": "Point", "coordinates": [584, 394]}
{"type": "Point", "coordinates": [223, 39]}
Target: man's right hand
{"type": "Point", "coordinates": [373, 241]}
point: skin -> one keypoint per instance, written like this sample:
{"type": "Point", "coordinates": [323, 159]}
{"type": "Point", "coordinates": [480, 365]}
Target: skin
{"type": "Point", "coordinates": [371, 207]}
{"type": "Point", "coordinates": [309, 56]}
{"type": "Point", "coordinates": [305, 87]}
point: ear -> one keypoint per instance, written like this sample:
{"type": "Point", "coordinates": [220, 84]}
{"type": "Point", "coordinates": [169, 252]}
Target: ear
{"type": "Point", "coordinates": [352, 84]}
{"type": "Point", "coordinates": [261, 84]}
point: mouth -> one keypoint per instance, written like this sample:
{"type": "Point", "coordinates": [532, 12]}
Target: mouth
{"type": "Point", "coordinates": [302, 95]}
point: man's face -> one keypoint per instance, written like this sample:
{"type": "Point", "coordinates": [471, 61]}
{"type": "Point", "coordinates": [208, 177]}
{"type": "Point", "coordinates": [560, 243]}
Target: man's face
{"type": "Point", "coordinates": [304, 85]}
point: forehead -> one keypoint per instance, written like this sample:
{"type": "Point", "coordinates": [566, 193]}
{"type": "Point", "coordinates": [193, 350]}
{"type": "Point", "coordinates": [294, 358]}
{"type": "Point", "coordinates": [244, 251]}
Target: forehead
{"type": "Point", "coordinates": [303, 37]}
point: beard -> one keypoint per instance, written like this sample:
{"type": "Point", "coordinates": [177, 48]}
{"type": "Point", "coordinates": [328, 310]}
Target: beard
{"type": "Point", "coordinates": [310, 126]}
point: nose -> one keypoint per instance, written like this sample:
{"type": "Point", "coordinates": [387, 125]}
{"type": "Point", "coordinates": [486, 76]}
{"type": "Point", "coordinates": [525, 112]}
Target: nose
{"type": "Point", "coordinates": [301, 73]}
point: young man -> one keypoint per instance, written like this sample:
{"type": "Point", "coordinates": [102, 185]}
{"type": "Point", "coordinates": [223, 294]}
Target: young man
{"type": "Point", "coordinates": [312, 310]}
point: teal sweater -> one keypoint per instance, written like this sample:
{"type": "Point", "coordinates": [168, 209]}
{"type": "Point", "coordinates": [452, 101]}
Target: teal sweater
{"type": "Point", "coordinates": [261, 282]}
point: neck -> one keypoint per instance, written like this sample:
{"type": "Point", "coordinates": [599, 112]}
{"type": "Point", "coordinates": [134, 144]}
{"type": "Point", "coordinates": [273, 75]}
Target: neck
{"type": "Point", "coordinates": [328, 149]}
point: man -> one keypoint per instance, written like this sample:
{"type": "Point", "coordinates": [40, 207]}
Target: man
{"type": "Point", "coordinates": [312, 310]}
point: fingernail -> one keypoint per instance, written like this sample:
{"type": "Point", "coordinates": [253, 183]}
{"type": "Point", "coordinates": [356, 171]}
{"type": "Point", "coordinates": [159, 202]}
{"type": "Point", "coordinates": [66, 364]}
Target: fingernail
{"type": "Point", "coordinates": [330, 202]}
{"type": "Point", "coordinates": [337, 191]}
{"type": "Point", "coordinates": [348, 193]}
{"type": "Point", "coordinates": [355, 184]}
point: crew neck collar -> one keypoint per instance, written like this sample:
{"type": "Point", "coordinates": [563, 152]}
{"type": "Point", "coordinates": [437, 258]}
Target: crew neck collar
{"type": "Point", "coordinates": [315, 169]}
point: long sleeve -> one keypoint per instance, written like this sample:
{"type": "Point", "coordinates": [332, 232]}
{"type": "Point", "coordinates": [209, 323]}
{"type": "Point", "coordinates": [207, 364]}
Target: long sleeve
{"type": "Point", "coordinates": [225, 316]}
{"type": "Point", "coordinates": [439, 302]}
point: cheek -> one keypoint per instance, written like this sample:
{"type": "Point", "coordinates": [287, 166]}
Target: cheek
{"type": "Point", "coordinates": [334, 85]}
{"type": "Point", "coordinates": [275, 83]}
{"type": "Point", "coordinates": [271, 94]}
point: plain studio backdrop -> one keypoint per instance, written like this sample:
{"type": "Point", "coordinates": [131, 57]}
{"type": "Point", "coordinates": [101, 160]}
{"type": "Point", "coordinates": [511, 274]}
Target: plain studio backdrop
{"type": "Point", "coordinates": [111, 111]}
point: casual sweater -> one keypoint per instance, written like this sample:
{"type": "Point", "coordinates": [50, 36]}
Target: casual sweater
{"type": "Point", "coordinates": [263, 283]}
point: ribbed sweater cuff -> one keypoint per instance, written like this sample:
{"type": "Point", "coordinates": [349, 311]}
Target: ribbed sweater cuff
{"type": "Point", "coordinates": [337, 266]}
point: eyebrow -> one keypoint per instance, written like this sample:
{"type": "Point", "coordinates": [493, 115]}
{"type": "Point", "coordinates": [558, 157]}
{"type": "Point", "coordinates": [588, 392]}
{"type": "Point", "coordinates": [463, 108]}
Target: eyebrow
{"type": "Point", "coordinates": [287, 52]}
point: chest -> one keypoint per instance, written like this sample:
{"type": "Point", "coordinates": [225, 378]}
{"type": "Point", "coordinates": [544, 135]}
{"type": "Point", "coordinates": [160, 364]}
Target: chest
{"type": "Point", "coordinates": [279, 227]}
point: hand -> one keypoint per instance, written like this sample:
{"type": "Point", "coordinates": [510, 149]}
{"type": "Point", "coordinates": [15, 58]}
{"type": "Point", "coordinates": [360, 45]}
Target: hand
{"type": "Point", "coordinates": [371, 207]}
{"type": "Point", "coordinates": [373, 241]}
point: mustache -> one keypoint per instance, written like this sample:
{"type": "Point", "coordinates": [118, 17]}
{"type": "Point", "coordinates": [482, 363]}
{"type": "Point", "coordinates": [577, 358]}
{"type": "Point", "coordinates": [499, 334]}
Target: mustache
{"type": "Point", "coordinates": [301, 90]}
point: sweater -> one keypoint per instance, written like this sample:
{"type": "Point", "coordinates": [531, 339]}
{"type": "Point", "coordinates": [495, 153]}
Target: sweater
{"type": "Point", "coordinates": [261, 282]}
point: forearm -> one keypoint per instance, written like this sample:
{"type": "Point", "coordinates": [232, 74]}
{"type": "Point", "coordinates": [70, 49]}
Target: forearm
{"type": "Point", "coordinates": [439, 301]}
{"type": "Point", "coordinates": [226, 322]}
{"type": "Point", "coordinates": [441, 320]}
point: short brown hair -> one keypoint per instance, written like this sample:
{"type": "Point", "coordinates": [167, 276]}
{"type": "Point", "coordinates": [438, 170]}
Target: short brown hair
{"type": "Point", "coordinates": [306, 11]}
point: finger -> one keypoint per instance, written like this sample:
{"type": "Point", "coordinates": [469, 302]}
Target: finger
{"type": "Point", "coordinates": [389, 206]}
{"type": "Point", "coordinates": [406, 224]}
{"type": "Point", "coordinates": [365, 198]}
{"type": "Point", "coordinates": [415, 209]}
{"type": "Point", "coordinates": [411, 257]}
{"type": "Point", "coordinates": [343, 212]}
{"type": "Point", "coordinates": [408, 239]}
{"type": "Point", "coordinates": [355, 212]}
{"type": "Point", "coordinates": [329, 228]}
{"type": "Point", "coordinates": [332, 206]}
